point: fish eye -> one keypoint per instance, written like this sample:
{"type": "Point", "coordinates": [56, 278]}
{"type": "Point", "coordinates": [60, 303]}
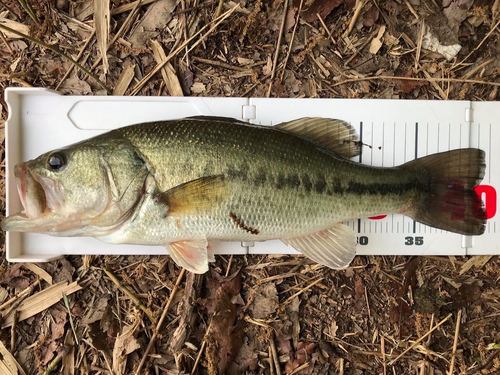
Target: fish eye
{"type": "Point", "coordinates": [56, 161]}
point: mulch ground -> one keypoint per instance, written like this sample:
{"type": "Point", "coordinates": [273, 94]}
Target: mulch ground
{"type": "Point", "coordinates": [252, 314]}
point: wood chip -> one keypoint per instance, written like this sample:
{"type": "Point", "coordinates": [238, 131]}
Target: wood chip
{"type": "Point", "coordinates": [39, 271]}
{"type": "Point", "coordinates": [476, 261]}
{"type": "Point", "coordinates": [101, 22]}
{"type": "Point", "coordinates": [124, 80]}
{"type": "Point", "coordinates": [41, 301]}
{"type": "Point", "coordinates": [8, 364]}
{"type": "Point", "coordinates": [125, 344]}
{"type": "Point", "coordinates": [376, 43]}
{"type": "Point", "coordinates": [168, 72]}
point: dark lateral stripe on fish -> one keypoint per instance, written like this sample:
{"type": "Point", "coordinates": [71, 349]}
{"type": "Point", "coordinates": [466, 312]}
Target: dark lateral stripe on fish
{"type": "Point", "coordinates": [381, 189]}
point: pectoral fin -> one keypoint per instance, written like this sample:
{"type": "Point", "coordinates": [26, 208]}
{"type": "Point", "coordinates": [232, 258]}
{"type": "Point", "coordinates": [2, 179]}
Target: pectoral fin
{"type": "Point", "coordinates": [194, 196]}
{"type": "Point", "coordinates": [190, 254]}
{"type": "Point", "coordinates": [337, 135]}
{"type": "Point", "coordinates": [334, 247]}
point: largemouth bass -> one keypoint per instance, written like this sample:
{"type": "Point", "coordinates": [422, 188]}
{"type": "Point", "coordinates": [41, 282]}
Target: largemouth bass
{"type": "Point", "coordinates": [183, 182]}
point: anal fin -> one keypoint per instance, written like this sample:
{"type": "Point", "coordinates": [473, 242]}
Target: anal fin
{"type": "Point", "coordinates": [334, 247]}
{"type": "Point", "coordinates": [190, 254]}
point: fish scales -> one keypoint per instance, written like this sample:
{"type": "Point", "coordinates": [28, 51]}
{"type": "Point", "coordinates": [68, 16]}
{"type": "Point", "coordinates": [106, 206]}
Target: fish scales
{"type": "Point", "coordinates": [183, 182]}
{"type": "Point", "coordinates": [278, 183]}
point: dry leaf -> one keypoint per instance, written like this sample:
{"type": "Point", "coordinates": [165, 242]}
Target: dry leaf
{"type": "Point", "coordinates": [75, 86]}
{"type": "Point", "coordinates": [266, 69]}
{"type": "Point", "coordinates": [101, 24]}
{"type": "Point", "coordinates": [13, 25]}
{"type": "Point", "coordinates": [377, 42]}
{"type": "Point", "coordinates": [39, 271]}
{"type": "Point", "coordinates": [124, 80]}
{"type": "Point", "coordinates": [8, 364]}
{"type": "Point", "coordinates": [168, 72]}
{"type": "Point", "coordinates": [197, 88]}
{"type": "Point", "coordinates": [371, 16]}
{"type": "Point", "coordinates": [476, 261]}
{"type": "Point", "coordinates": [125, 344]}
{"type": "Point", "coordinates": [290, 19]}
{"type": "Point", "coordinates": [323, 7]}
{"type": "Point", "coordinates": [407, 86]}
{"type": "Point", "coordinates": [265, 302]}
{"type": "Point", "coordinates": [68, 361]}
{"type": "Point", "coordinates": [156, 17]}
{"type": "Point", "coordinates": [41, 301]}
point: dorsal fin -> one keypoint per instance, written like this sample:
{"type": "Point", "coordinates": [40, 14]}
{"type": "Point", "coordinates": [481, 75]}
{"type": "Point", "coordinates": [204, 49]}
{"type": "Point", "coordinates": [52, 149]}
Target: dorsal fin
{"type": "Point", "coordinates": [337, 135]}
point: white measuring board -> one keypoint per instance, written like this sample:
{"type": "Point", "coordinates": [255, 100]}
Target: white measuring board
{"type": "Point", "coordinates": [394, 132]}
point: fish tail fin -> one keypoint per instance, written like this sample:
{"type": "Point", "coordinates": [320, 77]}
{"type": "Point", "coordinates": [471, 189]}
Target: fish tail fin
{"type": "Point", "coordinates": [449, 201]}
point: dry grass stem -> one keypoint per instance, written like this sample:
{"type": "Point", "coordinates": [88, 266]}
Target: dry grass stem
{"type": "Point", "coordinates": [291, 40]}
{"type": "Point", "coordinates": [101, 23]}
{"type": "Point", "coordinates": [455, 342]}
{"type": "Point", "coordinates": [277, 52]}
{"type": "Point", "coordinates": [130, 294]}
{"type": "Point", "coordinates": [420, 339]}
{"type": "Point", "coordinates": [357, 12]}
{"type": "Point", "coordinates": [374, 78]}
{"type": "Point", "coordinates": [141, 84]}
{"type": "Point", "coordinates": [160, 322]}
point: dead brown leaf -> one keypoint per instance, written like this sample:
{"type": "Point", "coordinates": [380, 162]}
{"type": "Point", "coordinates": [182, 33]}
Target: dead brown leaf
{"type": "Point", "coordinates": [371, 16]}
{"type": "Point", "coordinates": [304, 349]}
{"type": "Point", "coordinates": [407, 86]}
{"type": "Point", "coordinates": [265, 302]}
{"type": "Point", "coordinates": [323, 7]}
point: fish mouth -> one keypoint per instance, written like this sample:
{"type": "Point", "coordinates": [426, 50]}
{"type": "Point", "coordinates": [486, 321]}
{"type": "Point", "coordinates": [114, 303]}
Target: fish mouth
{"type": "Point", "coordinates": [31, 193]}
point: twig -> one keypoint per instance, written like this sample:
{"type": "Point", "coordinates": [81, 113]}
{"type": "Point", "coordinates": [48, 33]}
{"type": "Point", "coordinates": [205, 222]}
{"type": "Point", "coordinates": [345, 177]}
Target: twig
{"type": "Point", "coordinates": [303, 290]}
{"type": "Point", "coordinates": [430, 336]}
{"type": "Point", "coordinates": [376, 78]}
{"type": "Point", "coordinates": [412, 10]}
{"type": "Point", "coordinates": [365, 43]}
{"type": "Point", "coordinates": [68, 72]}
{"type": "Point", "coordinates": [419, 44]}
{"type": "Point", "coordinates": [291, 41]}
{"type": "Point", "coordinates": [420, 339]}
{"type": "Point", "coordinates": [354, 18]}
{"type": "Point", "coordinates": [59, 52]}
{"type": "Point", "coordinates": [220, 64]}
{"type": "Point", "coordinates": [455, 342]}
{"type": "Point", "coordinates": [278, 44]}
{"type": "Point", "coordinates": [478, 46]}
{"type": "Point", "coordinates": [274, 353]}
{"type": "Point", "coordinates": [6, 42]}
{"type": "Point", "coordinates": [477, 68]}
{"type": "Point", "coordinates": [382, 349]}
{"type": "Point", "coordinates": [162, 318]}
{"type": "Point", "coordinates": [229, 265]}
{"type": "Point", "coordinates": [26, 291]}
{"type": "Point", "coordinates": [270, 360]}
{"type": "Point", "coordinates": [131, 295]}
{"type": "Point", "coordinates": [13, 332]}
{"type": "Point", "coordinates": [326, 28]}
{"type": "Point", "coordinates": [367, 303]}
{"type": "Point", "coordinates": [120, 31]}
{"type": "Point", "coordinates": [202, 348]}
{"type": "Point", "coordinates": [141, 84]}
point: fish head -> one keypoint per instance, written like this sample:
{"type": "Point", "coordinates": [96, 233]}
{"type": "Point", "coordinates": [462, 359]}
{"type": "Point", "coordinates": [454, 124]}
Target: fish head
{"type": "Point", "coordinates": [73, 191]}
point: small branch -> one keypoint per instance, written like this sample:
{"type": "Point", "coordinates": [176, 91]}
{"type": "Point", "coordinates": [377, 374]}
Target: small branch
{"type": "Point", "coordinates": [162, 318]}
{"type": "Point", "coordinates": [68, 72]}
{"type": "Point", "coordinates": [291, 41]}
{"type": "Point", "coordinates": [278, 44]}
{"type": "Point", "coordinates": [354, 18]}
{"type": "Point", "coordinates": [274, 353]}
{"type": "Point", "coordinates": [21, 294]}
{"type": "Point", "coordinates": [13, 332]}
{"type": "Point", "coordinates": [59, 52]}
{"type": "Point", "coordinates": [131, 295]}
